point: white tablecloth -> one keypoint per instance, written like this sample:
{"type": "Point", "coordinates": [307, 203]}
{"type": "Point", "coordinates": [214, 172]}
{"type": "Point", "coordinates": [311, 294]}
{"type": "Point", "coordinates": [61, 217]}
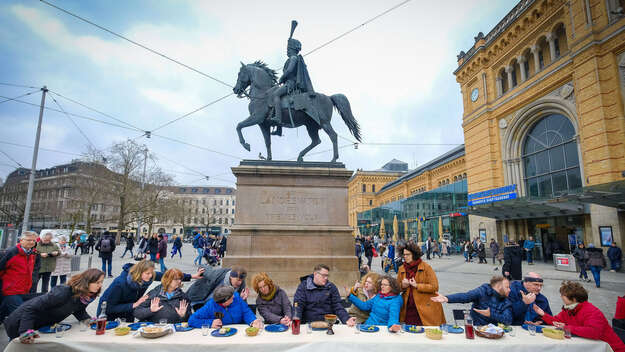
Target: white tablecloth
{"type": "Point", "coordinates": [344, 340]}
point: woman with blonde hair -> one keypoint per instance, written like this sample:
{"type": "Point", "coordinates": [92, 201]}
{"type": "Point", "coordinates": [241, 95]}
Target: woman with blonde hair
{"type": "Point", "coordinates": [127, 291]}
{"type": "Point", "coordinates": [385, 306]}
{"type": "Point", "coordinates": [166, 301]}
{"type": "Point", "coordinates": [272, 302]}
{"type": "Point", "coordinates": [364, 290]}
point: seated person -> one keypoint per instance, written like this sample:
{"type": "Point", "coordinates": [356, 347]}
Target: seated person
{"type": "Point", "coordinates": [272, 302]}
{"type": "Point", "coordinates": [127, 291]}
{"type": "Point", "coordinates": [364, 290]}
{"type": "Point", "coordinates": [202, 290]}
{"type": "Point", "coordinates": [316, 296]}
{"type": "Point", "coordinates": [225, 308]}
{"type": "Point", "coordinates": [490, 302]}
{"type": "Point", "coordinates": [619, 314]}
{"type": "Point", "coordinates": [385, 306]}
{"type": "Point", "coordinates": [581, 317]}
{"type": "Point", "coordinates": [166, 301]}
{"type": "Point", "coordinates": [56, 305]}
{"type": "Point", "coordinates": [523, 295]}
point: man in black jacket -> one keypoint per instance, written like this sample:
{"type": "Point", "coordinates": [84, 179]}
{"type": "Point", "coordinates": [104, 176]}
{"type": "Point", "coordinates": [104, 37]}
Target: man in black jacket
{"type": "Point", "coordinates": [368, 250]}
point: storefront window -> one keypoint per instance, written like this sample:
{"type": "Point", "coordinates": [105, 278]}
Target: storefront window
{"type": "Point", "coordinates": [550, 158]}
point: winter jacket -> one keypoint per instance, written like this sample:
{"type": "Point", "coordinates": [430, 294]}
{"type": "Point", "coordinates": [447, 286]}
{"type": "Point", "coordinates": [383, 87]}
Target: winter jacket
{"type": "Point", "coordinates": [162, 248]}
{"type": "Point", "coordinates": [237, 312]}
{"type": "Point", "coordinates": [383, 310]}
{"type": "Point", "coordinates": [596, 257]}
{"type": "Point", "coordinates": [481, 250]}
{"type": "Point", "coordinates": [360, 315]}
{"type": "Point", "coordinates": [615, 254]}
{"type": "Point", "coordinates": [368, 249]}
{"type": "Point", "coordinates": [316, 301]}
{"type": "Point", "coordinates": [485, 297]}
{"type": "Point", "coordinates": [276, 308]}
{"type": "Point", "coordinates": [391, 252]}
{"type": "Point", "coordinates": [198, 241]}
{"type": "Point", "coordinates": [521, 311]}
{"type": "Point", "coordinates": [130, 242]}
{"type": "Point", "coordinates": [178, 242]}
{"type": "Point", "coordinates": [143, 245]}
{"type": "Point", "coordinates": [122, 293]}
{"type": "Point", "coordinates": [588, 321]}
{"type": "Point", "coordinates": [48, 263]}
{"type": "Point", "coordinates": [431, 313]}
{"type": "Point", "coordinates": [50, 308]}
{"type": "Point", "coordinates": [494, 248]}
{"type": "Point", "coordinates": [202, 289]}
{"type": "Point", "coordinates": [512, 257]}
{"type": "Point", "coordinates": [63, 261]}
{"type": "Point", "coordinates": [143, 312]}
{"type": "Point", "coordinates": [152, 245]}
{"type": "Point", "coordinates": [529, 245]}
{"type": "Point", "coordinates": [106, 255]}
{"type": "Point", "coordinates": [16, 271]}
{"type": "Point", "coordinates": [581, 255]}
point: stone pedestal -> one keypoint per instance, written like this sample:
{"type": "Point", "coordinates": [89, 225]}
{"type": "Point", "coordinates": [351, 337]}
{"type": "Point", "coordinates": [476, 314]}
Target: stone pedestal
{"type": "Point", "coordinates": [290, 217]}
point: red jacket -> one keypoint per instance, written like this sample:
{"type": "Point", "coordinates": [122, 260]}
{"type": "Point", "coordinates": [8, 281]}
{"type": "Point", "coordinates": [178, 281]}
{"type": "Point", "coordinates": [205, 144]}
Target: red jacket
{"type": "Point", "coordinates": [16, 271]}
{"type": "Point", "coordinates": [588, 321]}
{"type": "Point", "coordinates": [620, 308]}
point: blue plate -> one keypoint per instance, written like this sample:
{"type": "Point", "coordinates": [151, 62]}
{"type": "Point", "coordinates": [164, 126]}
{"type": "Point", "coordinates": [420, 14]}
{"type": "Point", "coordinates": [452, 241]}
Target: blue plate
{"type": "Point", "coordinates": [452, 330]}
{"type": "Point", "coordinates": [418, 331]}
{"type": "Point", "coordinates": [136, 326]}
{"type": "Point", "coordinates": [48, 329]}
{"type": "Point", "coordinates": [276, 328]}
{"type": "Point", "coordinates": [109, 325]}
{"type": "Point", "coordinates": [229, 333]}
{"type": "Point", "coordinates": [180, 328]}
{"type": "Point", "coordinates": [369, 328]}
{"type": "Point", "coordinates": [539, 328]}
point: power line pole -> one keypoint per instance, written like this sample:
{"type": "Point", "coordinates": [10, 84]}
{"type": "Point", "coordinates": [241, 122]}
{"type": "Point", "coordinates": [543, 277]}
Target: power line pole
{"type": "Point", "coordinates": [145, 163]}
{"type": "Point", "coordinates": [33, 169]}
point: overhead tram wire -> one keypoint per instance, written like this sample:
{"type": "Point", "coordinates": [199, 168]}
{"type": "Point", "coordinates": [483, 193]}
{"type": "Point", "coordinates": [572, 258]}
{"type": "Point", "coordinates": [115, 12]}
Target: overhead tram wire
{"type": "Point", "coordinates": [75, 124]}
{"type": "Point", "coordinates": [40, 148]}
{"type": "Point", "coordinates": [17, 85]}
{"type": "Point", "coordinates": [199, 147]}
{"type": "Point", "coordinates": [13, 160]}
{"type": "Point", "coordinates": [19, 96]}
{"type": "Point", "coordinates": [192, 112]}
{"type": "Point", "coordinates": [138, 44]}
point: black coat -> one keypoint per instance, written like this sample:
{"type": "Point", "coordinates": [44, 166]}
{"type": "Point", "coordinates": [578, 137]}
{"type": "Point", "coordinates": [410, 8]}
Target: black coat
{"type": "Point", "coordinates": [106, 255]}
{"type": "Point", "coordinates": [512, 257]}
{"type": "Point", "coordinates": [368, 249]}
{"type": "Point", "coordinates": [130, 242]}
{"type": "Point", "coordinates": [153, 245]}
{"type": "Point", "coordinates": [143, 312]}
{"type": "Point", "coordinates": [50, 308]}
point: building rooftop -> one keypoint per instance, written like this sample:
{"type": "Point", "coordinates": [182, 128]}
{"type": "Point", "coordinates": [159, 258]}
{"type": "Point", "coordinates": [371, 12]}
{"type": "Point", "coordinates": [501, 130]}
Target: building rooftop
{"type": "Point", "coordinates": [432, 164]}
{"type": "Point", "coordinates": [212, 190]}
{"type": "Point", "coordinates": [394, 166]}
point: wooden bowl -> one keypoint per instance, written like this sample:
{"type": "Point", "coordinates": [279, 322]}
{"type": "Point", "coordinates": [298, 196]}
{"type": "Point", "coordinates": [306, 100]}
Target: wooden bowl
{"type": "Point", "coordinates": [251, 331]}
{"type": "Point", "coordinates": [433, 334]}
{"type": "Point", "coordinates": [488, 335]}
{"type": "Point", "coordinates": [121, 331]}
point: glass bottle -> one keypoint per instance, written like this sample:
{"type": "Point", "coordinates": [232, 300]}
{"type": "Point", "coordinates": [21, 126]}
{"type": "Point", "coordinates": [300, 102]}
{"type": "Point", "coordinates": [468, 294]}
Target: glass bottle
{"type": "Point", "coordinates": [101, 321]}
{"type": "Point", "coordinates": [468, 326]}
{"type": "Point", "coordinates": [295, 322]}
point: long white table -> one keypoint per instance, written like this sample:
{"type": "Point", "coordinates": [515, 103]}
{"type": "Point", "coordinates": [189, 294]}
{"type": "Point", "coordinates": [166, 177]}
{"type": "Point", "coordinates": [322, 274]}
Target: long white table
{"type": "Point", "coordinates": [344, 339]}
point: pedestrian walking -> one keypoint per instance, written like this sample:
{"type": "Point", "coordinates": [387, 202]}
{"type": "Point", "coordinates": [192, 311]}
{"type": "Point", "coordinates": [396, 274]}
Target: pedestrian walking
{"type": "Point", "coordinates": [368, 250]}
{"type": "Point", "coordinates": [161, 252]}
{"type": "Point", "coordinates": [466, 250]}
{"type": "Point", "coordinates": [106, 247]}
{"type": "Point", "coordinates": [143, 247]}
{"type": "Point", "coordinates": [615, 255]}
{"type": "Point", "coordinates": [130, 244]}
{"type": "Point", "coordinates": [436, 249]}
{"type": "Point", "coordinates": [529, 245]}
{"type": "Point", "coordinates": [494, 250]}
{"type": "Point", "coordinates": [153, 247]}
{"type": "Point", "coordinates": [358, 251]}
{"type": "Point", "coordinates": [90, 241]}
{"type": "Point", "coordinates": [481, 252]}
{"type": "Point", "coordinates": [597, 262]}
{"type": "Point", "coordinates": [177, 247]}
{"type": "Point", "coordinates": [512, 261]}
{"type": "Point", "coordinates": [77, 244]}
{"type": "Point", "coordinates": [428, 248]}
{"type": "Point", "coordinates": [63, 263]}
{"type": "Point", "coordinates": [581, 255]}
{"type": "Point", "coordinates": [223, 246]}
{"type": "Point", "coordinates": [198, 244]}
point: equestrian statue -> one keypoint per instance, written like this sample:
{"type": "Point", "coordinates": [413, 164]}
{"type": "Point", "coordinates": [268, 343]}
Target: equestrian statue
{"type": "Point", "coordinates": [290, 101]}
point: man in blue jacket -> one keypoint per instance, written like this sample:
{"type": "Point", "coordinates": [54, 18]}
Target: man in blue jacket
{"type": "Point", "coordinates": [225, 308]}
{"type": "Point", "coordinates": [523, 295]}
{"type": "Point", "coordinates": [316, 296]}
{"type": "Point", "coordinates": [615, 255]}
{"type": "Point", "coordinates": [529, 248]}
{"type": "Point", "coordinates": [490, 302]}
{"type": "Point", "coordinates": [198, 244]}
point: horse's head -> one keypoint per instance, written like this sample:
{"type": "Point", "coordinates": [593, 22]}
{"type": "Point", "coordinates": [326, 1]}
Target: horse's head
{"type": "Point", "coordinates": [244, 79]}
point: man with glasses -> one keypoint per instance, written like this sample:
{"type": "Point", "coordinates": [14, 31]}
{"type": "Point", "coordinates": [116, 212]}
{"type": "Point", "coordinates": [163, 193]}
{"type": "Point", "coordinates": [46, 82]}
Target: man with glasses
{"type": "Point", "coordinates": [16, 273]}
{"type": "Point", "coordinates": [202, 289]}
{"type": "Point", "coordinates": [316, 296]}
{"type": "Point", "coordinates": [523, 295]}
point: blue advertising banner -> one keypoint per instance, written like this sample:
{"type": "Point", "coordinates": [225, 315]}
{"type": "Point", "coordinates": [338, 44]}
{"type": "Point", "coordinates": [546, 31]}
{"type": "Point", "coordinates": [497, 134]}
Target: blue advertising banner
{"type": "Point", "coordinates": [493, 195]}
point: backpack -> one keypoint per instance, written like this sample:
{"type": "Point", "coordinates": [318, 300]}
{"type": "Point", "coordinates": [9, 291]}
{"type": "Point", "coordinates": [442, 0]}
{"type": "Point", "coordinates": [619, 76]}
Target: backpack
{"type": "Point", "coordinates": [105, 245]}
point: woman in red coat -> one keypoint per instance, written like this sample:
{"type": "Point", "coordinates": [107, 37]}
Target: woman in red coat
{"type": "Point", "coordinates": [581, 317]}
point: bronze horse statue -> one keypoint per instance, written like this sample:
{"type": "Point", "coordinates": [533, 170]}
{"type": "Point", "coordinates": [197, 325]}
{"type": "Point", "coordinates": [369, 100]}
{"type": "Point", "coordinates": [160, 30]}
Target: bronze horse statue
{"type": "Point", "coordinates": [262, 81]}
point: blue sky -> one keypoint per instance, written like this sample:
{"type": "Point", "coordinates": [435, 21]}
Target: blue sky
{"type": "Point", "coordinates": [396, 72]}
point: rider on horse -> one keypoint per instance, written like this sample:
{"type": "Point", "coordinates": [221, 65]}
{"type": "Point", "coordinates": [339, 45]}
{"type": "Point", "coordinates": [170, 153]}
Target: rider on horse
{"type": "Point", "coordinates": [295, 78]}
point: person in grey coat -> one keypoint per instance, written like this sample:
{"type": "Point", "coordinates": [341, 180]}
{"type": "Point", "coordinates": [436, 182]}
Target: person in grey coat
{"type": "Point", "coordinates": [166, 301]}
{"type": "Point", "coordinates": [202, 289]}
{"type": "Point", "coordinates": [272, 302]}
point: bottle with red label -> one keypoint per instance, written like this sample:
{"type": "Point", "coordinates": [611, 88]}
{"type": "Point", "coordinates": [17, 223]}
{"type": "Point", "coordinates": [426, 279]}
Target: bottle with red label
{"type": "Point", "coordinates": [101, 321]}
{"type": "Point", "coordinates": [468, 326]}
{"type": "Point", "coordinates": [295, 322]}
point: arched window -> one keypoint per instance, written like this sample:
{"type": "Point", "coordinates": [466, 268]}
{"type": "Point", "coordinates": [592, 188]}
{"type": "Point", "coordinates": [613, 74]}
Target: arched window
{"type": "Point", "coordinates": [550, 158]}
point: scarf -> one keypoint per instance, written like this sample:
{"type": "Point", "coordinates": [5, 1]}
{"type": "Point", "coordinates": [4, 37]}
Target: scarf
{"type": "Point", "coordinates": [570, 307]}
{"type": "Point", "coordinates": [86, 299]}
{"type": "Point", "coordinates": [411, 269]}
{"type": "Point", "coordinates": [269, 296]}
{"type": "Point", "coordinates": [384, 295]}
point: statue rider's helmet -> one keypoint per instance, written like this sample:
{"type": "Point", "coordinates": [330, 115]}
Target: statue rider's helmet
{"type": "Point", "coordinates": [294, 44]}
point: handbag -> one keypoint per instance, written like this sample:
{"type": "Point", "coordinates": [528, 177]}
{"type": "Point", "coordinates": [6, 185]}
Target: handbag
{"type": "Point", "coordinates": [158, 256]}
{"type": "Point", "coordinates": [375, 253]}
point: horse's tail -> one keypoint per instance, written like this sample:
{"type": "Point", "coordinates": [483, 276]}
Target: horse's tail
{"type": "Point", "coordinates": [342, 105]}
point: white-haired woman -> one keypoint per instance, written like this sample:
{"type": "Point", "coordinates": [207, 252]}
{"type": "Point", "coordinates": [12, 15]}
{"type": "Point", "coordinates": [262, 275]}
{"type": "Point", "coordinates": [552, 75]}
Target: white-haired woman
{"type": "Point", "coordinates": [63, 263]}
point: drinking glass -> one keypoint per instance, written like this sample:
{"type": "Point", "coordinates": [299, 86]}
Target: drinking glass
{"type": "Point", "coordinates": [309, 329]}
{"type": "Point", "coordinates": [511, 333]}
{"type": "Point", "coordinates": [84, 325]}
{"type": "Point", "coordinates": [402, 329]}
{"type": "Point", "coordinates": [567, 332]}
{"type": "Point", "coordinates": [205, 329]}
{"type": "Point", "coordinates": [531, 329]}
{"type": "Point", "coordinates": [357, 327]}
{"type": "Point", "coordinates": [59, 330]}
{"type": "Point", "coordinates": [445, 329]}
{"type": "Point", "coordinates": [162, 322]}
